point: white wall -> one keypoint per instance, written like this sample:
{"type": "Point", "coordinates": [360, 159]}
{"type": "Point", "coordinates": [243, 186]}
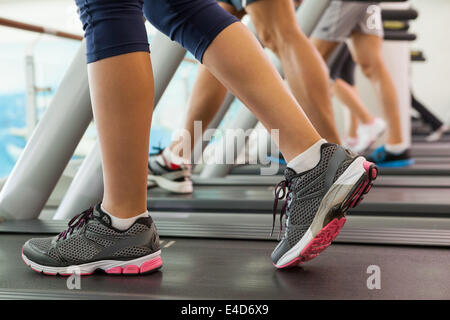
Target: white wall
{"type": "Point", "coordinates": [431, 79]}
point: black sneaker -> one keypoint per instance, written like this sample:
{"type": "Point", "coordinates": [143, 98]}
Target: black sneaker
{"type": "Point", "coordinates": [90, 243]}
{"type": "Point", "coordinates": [168, 175]}
{"type": "Point", "coordinates": [384, 158]}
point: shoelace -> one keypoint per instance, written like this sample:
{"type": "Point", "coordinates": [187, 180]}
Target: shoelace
{"type": "Point", "coordinates": [77, 222]}
{"type": "Point", "coordinates": [280, 194]}
{"type": "Point", "coordinates": [157, 149]}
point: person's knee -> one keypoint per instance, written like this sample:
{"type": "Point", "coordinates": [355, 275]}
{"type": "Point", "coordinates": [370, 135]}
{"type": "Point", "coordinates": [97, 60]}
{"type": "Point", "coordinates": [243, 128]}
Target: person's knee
{"type": "Point", "coordinates": [371, 67]}
{"type": "Point", "coordinates": [268, 38]}
{"type": "Point", "coordinates": [280, 36]}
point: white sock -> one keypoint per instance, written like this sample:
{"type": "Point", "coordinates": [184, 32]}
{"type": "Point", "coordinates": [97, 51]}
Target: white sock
{"type": "Point", "coordinates": [308, 159]}
{"type": "Point", "coordinates": [123, 224]}
{"type": "Point", "coordinates": [396, 148]}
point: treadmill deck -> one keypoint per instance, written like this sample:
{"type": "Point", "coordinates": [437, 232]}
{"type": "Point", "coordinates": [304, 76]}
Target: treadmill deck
{"type": "Point", "coordinates": [235, 269]}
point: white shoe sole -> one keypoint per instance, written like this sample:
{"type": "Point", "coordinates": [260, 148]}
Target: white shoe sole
{"type": "Point", "coordinates": [140, 265]}
{"type": "Point", "coordinates": [173, 186]}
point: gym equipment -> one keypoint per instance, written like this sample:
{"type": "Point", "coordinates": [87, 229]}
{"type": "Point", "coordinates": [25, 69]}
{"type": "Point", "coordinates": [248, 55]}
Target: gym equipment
{"type": "Point", "coordinates": [224, 269]}
{"type": "Point", "coordinates": [399, 211]}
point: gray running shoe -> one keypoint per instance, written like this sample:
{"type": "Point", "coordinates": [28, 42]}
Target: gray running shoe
{"type": "Point", "coordinates": [317, 201]}
{"type": "Point", "coordinates": [167, 175]}
{"type": "Point", "coordinates": [90, 243]}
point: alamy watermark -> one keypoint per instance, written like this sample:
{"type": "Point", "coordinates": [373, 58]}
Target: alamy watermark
{"type": "Point", "coordinates": [374, 280]}
{"type": "Point", "coordinates": [73, 282]}
{"type": "Point", "coordinates": [229, 147]}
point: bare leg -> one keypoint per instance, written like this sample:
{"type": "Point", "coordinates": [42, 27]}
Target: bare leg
{"type": "Point", "coordinates": [324, 47]}
{"type": "Point", "coordinates": [369, 56]}
{"type": "Point", "coordinates": [204, 101]}
{"type": "Point", "coordinates": [123, 112]}
{"type": "Point", "coordinates": [349, 96]}
{"type": "Point", "coordinates": [353, 129]}
{"type": "Point", "coordinates": [304, 70]}
{"type": "Point", "coordinates": [252, 78]}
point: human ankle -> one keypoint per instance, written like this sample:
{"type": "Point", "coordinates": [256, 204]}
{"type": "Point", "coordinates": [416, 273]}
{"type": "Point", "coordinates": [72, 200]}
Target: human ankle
{"type": "Point", "coordinates": [122, 223]}
{"type": "Point", "coordinates": [122, 209]}
{"type": "Point", "coordinates": [396, 148]}
{"type": "Point", "coordinates": [369, 121]}
{"type": "Point", "coordinates": [308, 159]}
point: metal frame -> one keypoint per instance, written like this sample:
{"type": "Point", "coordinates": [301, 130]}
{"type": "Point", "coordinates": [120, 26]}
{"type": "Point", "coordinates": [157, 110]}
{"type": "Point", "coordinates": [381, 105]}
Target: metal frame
{"type": "Point", "coordinates": [51, 145]}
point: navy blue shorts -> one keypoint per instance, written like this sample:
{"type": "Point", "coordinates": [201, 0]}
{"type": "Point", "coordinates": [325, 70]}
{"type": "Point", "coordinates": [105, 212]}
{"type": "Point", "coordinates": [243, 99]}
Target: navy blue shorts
{"type": "Point", "coordinates": [114, 27]}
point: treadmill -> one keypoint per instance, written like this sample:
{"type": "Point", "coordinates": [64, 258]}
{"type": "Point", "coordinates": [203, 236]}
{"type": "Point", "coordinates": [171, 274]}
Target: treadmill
{"type": "Point", "coordinates": [431, 159]}
{"type": "Point", "coordinates": [206, 257]}
{"type": "Point", "coordinates": [216, 245]}
{"type": "Point", "coordinates": [241, 270]}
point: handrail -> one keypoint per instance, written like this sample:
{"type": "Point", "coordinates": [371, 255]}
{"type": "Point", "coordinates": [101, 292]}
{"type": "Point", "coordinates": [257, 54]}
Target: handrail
{"type": "Point", "coordinates": [399, 14]}
{"type": "Point", "coordinates": [34, 28]}
{"type": "Point", "coordinates": [39, 29]}
{"type": "Point", "coordinates": [399, 36]}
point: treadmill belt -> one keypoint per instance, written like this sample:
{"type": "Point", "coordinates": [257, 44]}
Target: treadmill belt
{"type": "Point", "coordinates": [434, 160]}
{"type": "Point", "coordinates": [429, 168]}
{"type": "Point", "coordinates": [422, 138]}
{"type": "Point", "coordinates": [220, 269]}
{"type": "Point", "coordinates": [426, 202]}
{"type": "Point", "coordinates": [430, 159]}
{"type": "Point", "coordinates": [436, 149]}
{"type": "Point", "coordinates": [419, 169]}
{"type": "Point", "coordinates": [381, 181]}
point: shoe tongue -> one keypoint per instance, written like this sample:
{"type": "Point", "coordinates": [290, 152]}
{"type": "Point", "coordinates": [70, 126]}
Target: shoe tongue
{"type": "Point", "coordinates": [100, 215]}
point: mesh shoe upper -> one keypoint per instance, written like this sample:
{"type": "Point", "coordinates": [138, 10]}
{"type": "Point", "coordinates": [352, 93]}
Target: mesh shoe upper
{"type": "Point", "coordinates": [93, 240]}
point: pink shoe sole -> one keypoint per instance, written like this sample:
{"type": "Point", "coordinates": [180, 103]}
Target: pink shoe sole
{"type": "Point", "coordinates": [145, 268]}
